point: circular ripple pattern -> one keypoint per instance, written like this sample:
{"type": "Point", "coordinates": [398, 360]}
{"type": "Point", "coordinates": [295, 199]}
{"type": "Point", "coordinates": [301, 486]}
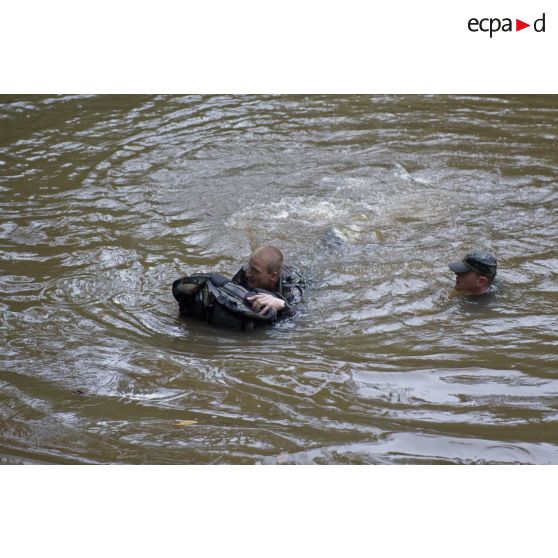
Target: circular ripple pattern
{"type": "Point", "coordinates": [106, 200]}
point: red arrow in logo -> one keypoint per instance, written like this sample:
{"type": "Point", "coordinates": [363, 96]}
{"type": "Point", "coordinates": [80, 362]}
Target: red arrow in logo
{"type": "Point", "coordinates": [519, 25]}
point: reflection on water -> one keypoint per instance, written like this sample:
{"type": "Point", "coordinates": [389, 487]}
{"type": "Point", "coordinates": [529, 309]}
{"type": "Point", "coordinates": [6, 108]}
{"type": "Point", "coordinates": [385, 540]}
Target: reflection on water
{"type": "Point", "coordinates": [106, 200]}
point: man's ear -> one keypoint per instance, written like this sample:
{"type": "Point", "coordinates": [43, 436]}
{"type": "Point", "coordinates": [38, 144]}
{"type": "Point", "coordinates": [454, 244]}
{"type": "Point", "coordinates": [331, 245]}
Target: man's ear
{"type": "Point", "coordinates": [483, 280]}
{"type": "Point", "coordinates": [274, 276]}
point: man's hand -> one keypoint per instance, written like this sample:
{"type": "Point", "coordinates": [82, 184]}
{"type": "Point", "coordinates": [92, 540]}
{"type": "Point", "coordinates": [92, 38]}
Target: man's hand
{"type": "Point", "coordinates": [263, 302]}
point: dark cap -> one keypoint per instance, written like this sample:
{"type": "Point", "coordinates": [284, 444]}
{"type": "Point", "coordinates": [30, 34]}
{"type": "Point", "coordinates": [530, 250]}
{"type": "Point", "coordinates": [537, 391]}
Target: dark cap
{"type": "Point", "coordinates": [479, 261]}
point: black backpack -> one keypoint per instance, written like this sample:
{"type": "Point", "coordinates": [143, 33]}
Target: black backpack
{"type": "Point", "coordinates": [216, 300]}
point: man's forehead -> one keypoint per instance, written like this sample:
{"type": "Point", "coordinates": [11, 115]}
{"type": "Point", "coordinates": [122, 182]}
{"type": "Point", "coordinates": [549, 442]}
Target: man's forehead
{"type": "Point", "coordinates": [256, 263]}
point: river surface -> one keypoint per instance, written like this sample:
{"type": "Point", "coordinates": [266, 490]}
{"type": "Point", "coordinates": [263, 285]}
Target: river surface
{"type": "Point", "coordinates": [105, 200]}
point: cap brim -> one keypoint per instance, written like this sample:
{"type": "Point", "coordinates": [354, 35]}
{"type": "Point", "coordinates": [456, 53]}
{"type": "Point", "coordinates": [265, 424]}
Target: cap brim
{"type": "Point", "coordinates": [459, 267]}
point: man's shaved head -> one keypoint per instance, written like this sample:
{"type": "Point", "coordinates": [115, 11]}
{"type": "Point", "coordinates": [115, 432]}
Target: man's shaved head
{"type": "Point", "coordinates": [271, 256]}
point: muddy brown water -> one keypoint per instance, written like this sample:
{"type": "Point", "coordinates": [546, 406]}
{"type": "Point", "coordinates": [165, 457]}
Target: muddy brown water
{"type": "Point", "coordinates": [105, 200]}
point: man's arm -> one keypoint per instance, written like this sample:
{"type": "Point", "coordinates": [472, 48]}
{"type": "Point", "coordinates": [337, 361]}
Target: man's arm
{"type": "Point", "coordinates": [285, 306]}
{"type": "Point", "coordinates": [293, 297]}
{"type": "Point", "coordinates": [263, 302]}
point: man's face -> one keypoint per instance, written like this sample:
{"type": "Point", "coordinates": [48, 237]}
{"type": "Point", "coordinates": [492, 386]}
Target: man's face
{"type": "Point", "coordinates": [257, 275]}
{"type": "Point", "coordinates": [469, 282]}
